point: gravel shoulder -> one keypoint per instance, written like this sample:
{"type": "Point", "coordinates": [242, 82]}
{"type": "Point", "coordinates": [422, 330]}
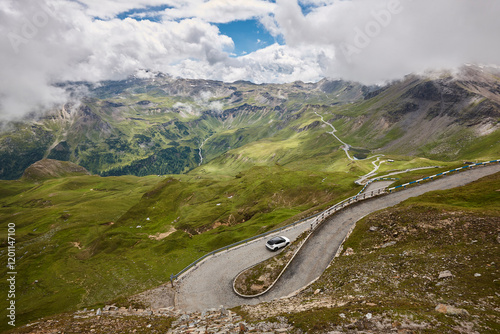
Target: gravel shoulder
{"type": "Point", "coordinates": [209, 285]}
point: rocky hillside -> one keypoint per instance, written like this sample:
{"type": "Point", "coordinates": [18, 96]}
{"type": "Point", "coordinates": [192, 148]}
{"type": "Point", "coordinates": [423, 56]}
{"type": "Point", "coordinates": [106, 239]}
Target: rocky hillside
{"type": "Point", "coordinates": [428, 265]}
{"type": "Point", "coordinates": [167, 126]}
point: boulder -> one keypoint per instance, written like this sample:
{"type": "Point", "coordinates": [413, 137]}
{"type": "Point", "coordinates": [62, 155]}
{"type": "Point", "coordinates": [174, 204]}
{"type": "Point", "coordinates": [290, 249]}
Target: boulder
{"type": "Point", "coordinates": [388, 244]}
{"type": "Point", "coordinates": [451, 310]}
{"type": "Point", "coordinates": [445, 274]}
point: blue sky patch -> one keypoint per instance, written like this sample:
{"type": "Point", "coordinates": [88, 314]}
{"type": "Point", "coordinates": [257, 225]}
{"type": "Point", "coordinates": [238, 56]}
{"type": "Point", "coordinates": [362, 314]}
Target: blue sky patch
{"type": "Point", "coordinates": [151, 13]}
{"type": "Point", "coordinates": [306, 8]}
{"type": "Point", "coordinates": [248, 36]}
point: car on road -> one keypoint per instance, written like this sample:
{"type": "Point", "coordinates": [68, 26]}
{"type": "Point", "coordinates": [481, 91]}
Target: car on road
{"type": "Point", "coordinates": [277, 242]}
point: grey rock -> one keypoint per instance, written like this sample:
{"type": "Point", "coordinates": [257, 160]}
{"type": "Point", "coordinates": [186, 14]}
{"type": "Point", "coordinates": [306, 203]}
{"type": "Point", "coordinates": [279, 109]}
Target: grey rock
{"type": "Point", "coordinates": [387, 244]}
{"type": "Point", "coordinates": [99, 312]}
{"type": "Point", "coordinates": [363, 324]}
{"type": "Point", "coordinates": [373, 228]}
{"type": "Point", "coordinates": [445, 274]}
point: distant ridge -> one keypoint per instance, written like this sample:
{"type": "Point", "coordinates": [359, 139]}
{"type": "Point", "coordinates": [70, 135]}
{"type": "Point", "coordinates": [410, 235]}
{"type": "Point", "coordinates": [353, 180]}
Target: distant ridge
{"type": "Point", "coordinates": [162, 125]}
{"type": "Point", "coordinates": [50, 168]}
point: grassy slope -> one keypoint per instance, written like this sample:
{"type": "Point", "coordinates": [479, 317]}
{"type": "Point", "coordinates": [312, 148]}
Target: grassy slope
{"type": "Point", "coordinates": [454, 230]}
{"type": "Point", "coordinates": [79, 236]}
{"type": "Point", "coordinates": [50, 217]}
{"type": "Point", "coordinates": [67, 242]}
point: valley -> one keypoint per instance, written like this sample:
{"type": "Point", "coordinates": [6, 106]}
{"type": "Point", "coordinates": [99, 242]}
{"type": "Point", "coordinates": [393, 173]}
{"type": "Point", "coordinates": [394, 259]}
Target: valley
{"type": "Point", "coordinates": [137, 126]}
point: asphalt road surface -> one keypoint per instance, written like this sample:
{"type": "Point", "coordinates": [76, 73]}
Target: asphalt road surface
{"type": "Point", "coordinates": [209, 285]}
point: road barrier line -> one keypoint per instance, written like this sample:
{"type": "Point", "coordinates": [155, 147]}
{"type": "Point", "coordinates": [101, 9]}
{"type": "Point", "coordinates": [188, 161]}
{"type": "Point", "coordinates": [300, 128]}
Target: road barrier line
{"type": "Point", "coordinates": [432, 177]}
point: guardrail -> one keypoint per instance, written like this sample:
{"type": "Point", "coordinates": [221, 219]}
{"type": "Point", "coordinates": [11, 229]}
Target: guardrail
{"type": "Point", "coordinates": [432, 177]}
{"type": "Point", "coordinates": [240, 243]}
{"type": "Point", "coordinates": [321, 216]}
{"type": "Point", "coordinates": [378, 179]}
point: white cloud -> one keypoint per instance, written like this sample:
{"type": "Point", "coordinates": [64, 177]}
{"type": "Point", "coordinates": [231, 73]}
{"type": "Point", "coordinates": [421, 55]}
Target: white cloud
{"type": "Point", "coordinates": [219, 11]}
{"type": "Point", "coordinates": [273, 64]}
{"type": "Point", "coordinates": [383, 40]}
{"type": "Point", "coordinates": [316, 2]}
{"type": "Point", "coordinates": [107, 9]}
{"type": "Point", "coordinates": [269, 22]}
{"type": "Point", "coordinates": [44, 42]}
{"type": "Point", "coordinates": [120, 47]}
{"type": "Point", "coordinates": [50, 41]}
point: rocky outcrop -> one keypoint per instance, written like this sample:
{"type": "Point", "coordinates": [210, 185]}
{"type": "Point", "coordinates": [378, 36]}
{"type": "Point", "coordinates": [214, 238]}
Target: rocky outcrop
{"type": "Point", "coordinates": [112, 319]}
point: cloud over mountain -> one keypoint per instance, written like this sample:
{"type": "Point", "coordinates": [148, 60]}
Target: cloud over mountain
{"type": "Point", "coordinates": [376, 41]}
{"type": "Point", "coordinates": [48, 41]}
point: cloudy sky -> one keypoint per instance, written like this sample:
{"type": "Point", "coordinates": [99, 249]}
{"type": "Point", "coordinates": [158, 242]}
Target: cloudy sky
{"type": "Point", "coordinates": [44, 42]}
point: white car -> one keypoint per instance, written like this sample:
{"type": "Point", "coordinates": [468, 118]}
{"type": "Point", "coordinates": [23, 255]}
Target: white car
{"type": "Point", "coordinates": [277, 243]}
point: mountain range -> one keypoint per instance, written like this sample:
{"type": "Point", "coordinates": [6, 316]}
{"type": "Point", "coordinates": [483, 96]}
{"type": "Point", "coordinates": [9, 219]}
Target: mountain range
{"type": "Point", "coordinates": [164, 125]}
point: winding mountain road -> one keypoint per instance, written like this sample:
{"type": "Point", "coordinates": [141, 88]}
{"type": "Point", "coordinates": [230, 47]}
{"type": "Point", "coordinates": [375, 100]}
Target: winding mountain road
{"type": "Point", "coordinates": [345, 146]}
{"type": "Point", "coordinates": [209, 285]}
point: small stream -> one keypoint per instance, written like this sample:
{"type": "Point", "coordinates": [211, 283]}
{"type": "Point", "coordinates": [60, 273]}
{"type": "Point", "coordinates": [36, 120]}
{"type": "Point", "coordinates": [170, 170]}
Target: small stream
{"type": "Point", "coordinates": [199, 150]}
